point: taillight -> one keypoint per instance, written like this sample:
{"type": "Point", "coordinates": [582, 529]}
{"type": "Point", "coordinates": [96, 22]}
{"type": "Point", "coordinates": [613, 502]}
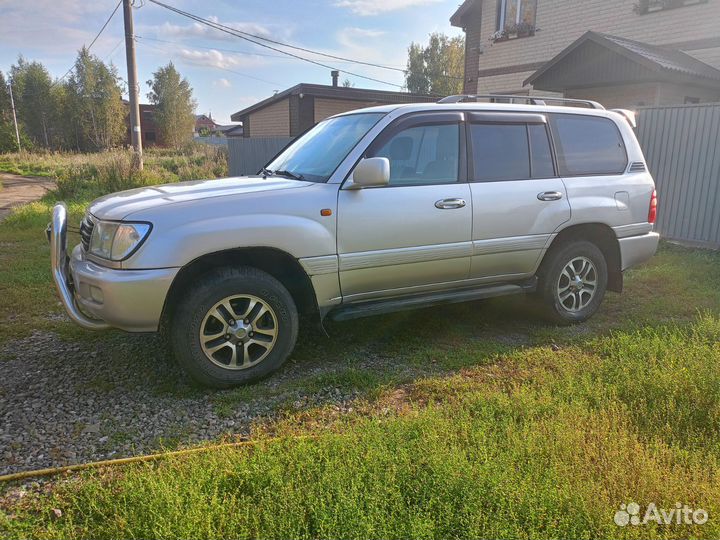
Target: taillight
{"type": "Point", "coordinates": [652, 213]}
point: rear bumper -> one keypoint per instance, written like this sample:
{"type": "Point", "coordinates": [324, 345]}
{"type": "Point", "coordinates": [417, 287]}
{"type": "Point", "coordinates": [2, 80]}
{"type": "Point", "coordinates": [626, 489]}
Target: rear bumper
{"type": "Point", "coordinates": [637, 249]}
{"type": "Point", "coordinates": [97, 297]}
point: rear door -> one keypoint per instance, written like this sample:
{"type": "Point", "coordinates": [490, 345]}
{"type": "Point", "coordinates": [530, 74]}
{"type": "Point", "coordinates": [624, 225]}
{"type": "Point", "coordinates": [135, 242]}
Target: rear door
{"type": "Point", "coordinates": [518, 199]}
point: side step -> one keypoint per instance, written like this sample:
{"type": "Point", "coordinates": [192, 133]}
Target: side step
{"type": "Point", "coordinates": [379, 307]}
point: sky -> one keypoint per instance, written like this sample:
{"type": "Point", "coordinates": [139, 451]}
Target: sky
{"type": "Point", "coordinates": [227, 73]}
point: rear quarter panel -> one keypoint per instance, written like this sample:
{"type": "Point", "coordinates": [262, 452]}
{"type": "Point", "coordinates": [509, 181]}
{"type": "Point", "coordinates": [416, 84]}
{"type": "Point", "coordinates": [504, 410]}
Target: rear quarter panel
{"type": "Point", "coordinates": [620, 200]}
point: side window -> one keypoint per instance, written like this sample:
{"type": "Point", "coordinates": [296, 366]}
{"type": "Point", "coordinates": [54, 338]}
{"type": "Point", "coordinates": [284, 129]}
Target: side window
{"type": "Point", "coordinates": [500, 152]}
{"type": "Point", "coordinates": [588, 145]}
{"type": "Point", "coordinates": [540, 153]}
{"type": "Point", "coordinates": [423, 155]}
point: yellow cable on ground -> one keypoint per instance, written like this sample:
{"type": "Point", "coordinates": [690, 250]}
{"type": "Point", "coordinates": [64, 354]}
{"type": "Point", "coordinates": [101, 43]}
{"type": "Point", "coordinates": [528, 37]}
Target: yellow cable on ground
{"type": "Point", "coordinates": [138, 459]}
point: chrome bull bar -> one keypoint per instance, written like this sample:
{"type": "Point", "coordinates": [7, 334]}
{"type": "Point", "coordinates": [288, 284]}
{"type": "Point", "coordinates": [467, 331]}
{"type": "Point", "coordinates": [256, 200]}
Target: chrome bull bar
{"type": "Point", "coordinates": [57, 236]}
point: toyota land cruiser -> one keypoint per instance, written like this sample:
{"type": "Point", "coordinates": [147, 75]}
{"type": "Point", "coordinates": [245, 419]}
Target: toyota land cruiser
{"type": "Point", "coordinates": [371, 211]}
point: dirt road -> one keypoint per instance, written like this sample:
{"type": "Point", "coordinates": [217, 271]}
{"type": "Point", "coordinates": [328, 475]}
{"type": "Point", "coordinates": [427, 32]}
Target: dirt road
{"type": "Point", "coordinates": [19, 190]}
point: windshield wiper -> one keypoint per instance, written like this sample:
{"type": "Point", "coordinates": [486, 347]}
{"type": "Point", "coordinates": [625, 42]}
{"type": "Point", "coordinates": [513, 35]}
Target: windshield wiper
{"type": "Point", "coordinates": [288, 174]}
{"type": "Point", "coordinates": [266, 172]}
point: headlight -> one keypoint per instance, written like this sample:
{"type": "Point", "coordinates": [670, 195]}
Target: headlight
{"type": "Point", "coordinates": [116, 241]}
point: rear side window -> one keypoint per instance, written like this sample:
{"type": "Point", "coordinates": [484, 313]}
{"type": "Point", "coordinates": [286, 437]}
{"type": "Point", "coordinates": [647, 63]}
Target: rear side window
{"type": "Point", "coordinates": [588, 145]}
{"type": "Point", "coordinates": [504, 152]}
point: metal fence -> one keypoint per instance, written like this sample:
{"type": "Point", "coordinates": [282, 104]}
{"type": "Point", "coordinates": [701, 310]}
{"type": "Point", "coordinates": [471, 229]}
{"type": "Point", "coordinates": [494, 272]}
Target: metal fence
{"type": "Point", "coordinates": [248, 155]}
{"type": "Point", "coordinates": [215, 141]}
{"type": "Point", "coordinates": [682, 148]}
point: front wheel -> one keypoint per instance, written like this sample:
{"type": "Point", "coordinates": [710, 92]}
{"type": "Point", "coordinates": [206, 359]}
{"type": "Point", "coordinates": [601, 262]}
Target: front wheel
{"type": "Point", "coordinates": [572, 281]}
{"type": "Point", "coordinates": [235, 326]}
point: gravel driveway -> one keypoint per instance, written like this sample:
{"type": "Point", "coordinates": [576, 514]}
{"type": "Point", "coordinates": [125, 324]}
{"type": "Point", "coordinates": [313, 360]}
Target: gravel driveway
{"type": "Point", "coordinates": [111, 394]}
{"type": "Point", "coordinates": [64, 403]}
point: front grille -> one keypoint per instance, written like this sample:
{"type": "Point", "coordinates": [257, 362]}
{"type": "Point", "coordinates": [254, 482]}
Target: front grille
{"type": "Point", "coordinates": [86, 229]}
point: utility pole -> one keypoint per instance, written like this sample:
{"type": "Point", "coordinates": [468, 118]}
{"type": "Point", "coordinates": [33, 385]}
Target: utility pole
{"type": "Point", "coordinates": [133, 86]}
{"type": "Point", "coordinates": [12, 106]}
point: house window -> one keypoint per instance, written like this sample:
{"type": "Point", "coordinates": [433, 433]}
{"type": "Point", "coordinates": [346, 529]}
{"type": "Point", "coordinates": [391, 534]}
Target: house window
{"type": "Point", "coordinates": [652, 6]}
{"type": "Point", "coordinates": [515, 18]}
{"type": "Point", "coordinates": [691, 100]}
{"type": "Point", "coordinates": [149, 137]}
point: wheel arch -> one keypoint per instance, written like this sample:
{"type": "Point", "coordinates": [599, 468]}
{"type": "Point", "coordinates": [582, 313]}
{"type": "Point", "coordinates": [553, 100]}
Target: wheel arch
{"type": "Point", "coordinates": [279, 264]}
{"type": "Point", "coordinates": [604, 238]}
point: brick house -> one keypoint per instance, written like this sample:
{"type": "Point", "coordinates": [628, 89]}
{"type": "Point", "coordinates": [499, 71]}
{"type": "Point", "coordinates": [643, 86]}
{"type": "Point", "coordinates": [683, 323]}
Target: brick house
{"type": "Point", "coordinates": [204, 123]}
{"type": "Point", "coordinates": [623, 53]}
{"type": "Point", "coordinates": [291, 112]}
{"type": "Point", "coordinates": [148, 128]}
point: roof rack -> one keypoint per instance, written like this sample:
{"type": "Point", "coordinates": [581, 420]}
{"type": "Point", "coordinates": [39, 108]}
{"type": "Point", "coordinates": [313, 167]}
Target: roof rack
{"type": "Point", "coordinates": [530, 100]}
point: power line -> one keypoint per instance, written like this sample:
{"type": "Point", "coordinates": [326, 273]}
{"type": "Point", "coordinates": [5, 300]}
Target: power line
{"type": "Point", "coordinates": [236, 33]}
{"type": "Point", "coordinates": [251, 53]}
{"type": "Point", "coordinates": [246, 52]}
{"type": "Point", "coordinates": [296, 47]}
{"type": "Point", "coordinates": [104, 25]}
{"type": "Point", "coordinates": [92, 42]}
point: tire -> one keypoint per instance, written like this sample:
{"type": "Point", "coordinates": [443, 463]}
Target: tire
{"type": "Point", "coordinates": [568, 299]}
{"type": "Point", "coordinates": [255, 337]}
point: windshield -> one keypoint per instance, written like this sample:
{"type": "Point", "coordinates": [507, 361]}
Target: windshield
{"type": "Point", "coordinates": [316, 155]}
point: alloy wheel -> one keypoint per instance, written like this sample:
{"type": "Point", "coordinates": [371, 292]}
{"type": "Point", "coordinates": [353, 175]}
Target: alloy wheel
{"type": "Point", "coordinates": [238, 332]}
{"type": "Point", "coordinates": [577, 284]}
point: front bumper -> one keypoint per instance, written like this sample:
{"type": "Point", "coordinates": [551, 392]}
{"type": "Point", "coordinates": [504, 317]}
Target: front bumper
{"type": "Point", "coordinates": [637, 249]}
{"type": "Point", "coordinates": [96, 297]}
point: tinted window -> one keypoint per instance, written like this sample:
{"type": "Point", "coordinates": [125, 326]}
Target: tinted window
{"type": "Point", "coordinates": [542, 163]}
{"type": "Point", "coordinates": [423, 155]}
{"type": "Point", "coordinates": [500, 152]}
{"type": "Point", "coordinates": [588, 145]}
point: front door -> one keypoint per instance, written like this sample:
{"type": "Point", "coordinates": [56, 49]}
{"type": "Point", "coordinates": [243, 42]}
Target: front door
{"type": "Point", "coordinates": [518, 199]}
{"type": "Point", "coordinates": [414, 234]}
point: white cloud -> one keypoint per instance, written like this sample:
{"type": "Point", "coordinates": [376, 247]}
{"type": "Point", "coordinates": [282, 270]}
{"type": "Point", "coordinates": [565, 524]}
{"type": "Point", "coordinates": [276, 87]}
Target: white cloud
{"type": "Point", "coordinates": [215, 58]}
{"type": "Point", "coordinates": [222, 83]}
{"type": "Point", "coordinates": [374, 7]}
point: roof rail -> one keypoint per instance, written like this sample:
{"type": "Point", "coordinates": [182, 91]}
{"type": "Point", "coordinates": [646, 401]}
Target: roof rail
{"type": "Point", "coordinates": [531, 100]}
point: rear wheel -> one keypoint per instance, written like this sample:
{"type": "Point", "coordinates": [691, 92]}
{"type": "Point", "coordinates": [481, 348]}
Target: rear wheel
{"type": "Point", "coordinates": [573, 280]}
{"type": "Point", "coordinates": [236, 325]}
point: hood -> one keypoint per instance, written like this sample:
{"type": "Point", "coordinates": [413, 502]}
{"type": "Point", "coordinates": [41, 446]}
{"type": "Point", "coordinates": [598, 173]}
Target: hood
{"type": "Point", "coordinates": [118, 206]}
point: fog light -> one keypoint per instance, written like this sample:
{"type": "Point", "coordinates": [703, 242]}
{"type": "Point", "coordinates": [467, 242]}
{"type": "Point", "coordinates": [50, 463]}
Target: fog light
{"type": "Point", "coordinates": [96, 294]}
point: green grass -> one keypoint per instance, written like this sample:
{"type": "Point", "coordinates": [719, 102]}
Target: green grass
{"type": "Point", "coordinates": [474, 420]}
{"type": "Point", "coordinates": [540, 444]}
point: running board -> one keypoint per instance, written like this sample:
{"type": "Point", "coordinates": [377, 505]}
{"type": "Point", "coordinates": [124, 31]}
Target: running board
{"type": "Point", "coordinates": [379, 307]}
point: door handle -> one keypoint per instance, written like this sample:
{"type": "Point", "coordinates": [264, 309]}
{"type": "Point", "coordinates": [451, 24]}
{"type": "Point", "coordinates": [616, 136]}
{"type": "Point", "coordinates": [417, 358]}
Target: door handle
{"type": "Point", "coordinates": [450, 204]}
{"type": "Point", "coordinates": [550, 196]}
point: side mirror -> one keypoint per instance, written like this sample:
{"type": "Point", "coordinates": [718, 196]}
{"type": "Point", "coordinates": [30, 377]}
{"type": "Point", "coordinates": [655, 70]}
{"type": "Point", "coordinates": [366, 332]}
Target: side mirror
{"type": "Point", "coordinates": [371, 172]}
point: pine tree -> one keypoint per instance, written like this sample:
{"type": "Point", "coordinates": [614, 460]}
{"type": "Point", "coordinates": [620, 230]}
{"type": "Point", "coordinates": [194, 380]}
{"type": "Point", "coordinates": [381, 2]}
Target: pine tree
{"type": "Point", "coordinates": [34, 102]}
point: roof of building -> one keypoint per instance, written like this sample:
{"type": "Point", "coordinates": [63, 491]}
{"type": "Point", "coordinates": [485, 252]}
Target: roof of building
{"type": "Point", "coordinates": [456, 19]}
{"type": "Point", "coordinates": [229, 128]}
{"type": "Point", "coordinates": [336, 92]}
{"type": "Point", "coordinates": [660, 60]}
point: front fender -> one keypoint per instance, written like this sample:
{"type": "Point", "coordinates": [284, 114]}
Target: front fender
{"type": "Point", "coordinates": [295, 221]}
{"type": "Point", "coordinates": [177, 246]}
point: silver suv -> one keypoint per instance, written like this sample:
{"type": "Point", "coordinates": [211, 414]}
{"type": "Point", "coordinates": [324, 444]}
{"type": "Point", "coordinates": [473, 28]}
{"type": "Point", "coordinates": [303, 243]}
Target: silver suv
{"type": "Point", "coordinates": [372, 211]}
